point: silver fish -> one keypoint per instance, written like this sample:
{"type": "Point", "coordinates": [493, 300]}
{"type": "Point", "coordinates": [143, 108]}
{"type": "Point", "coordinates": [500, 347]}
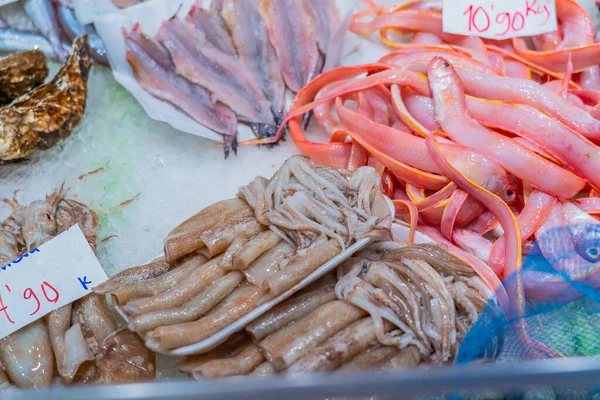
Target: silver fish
{"type": "Point", "coordinates": [327, 19]}
{"type": "Point", "coordinates": [155, 71]}
{"type": "Point", "coordinates": [43, 15]}
{"type": "Point", "coordinates": [251, 39]}
{"type": "Point", "coordinates": [73, 29]}
{"type": "Point", "coordinates": [293, 34]}
{"type": "Point", "coordinates": [213, 28]}
{"type": "Point", "coordinates": [13, 40]}
{"type": "Point", "coordinates": [3, 23]}
{"type": "Point", "coordinates": [221, 73]}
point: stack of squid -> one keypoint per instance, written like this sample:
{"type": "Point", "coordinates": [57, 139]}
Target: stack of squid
{"type": "Point", "coordinates": [79, 342]}
{"type": "Point", "coordinates": [485, 146]}
{"type": "Point", "coordinates": [392, 307]}
{"type": "Point", "coordinates": [236, 254]}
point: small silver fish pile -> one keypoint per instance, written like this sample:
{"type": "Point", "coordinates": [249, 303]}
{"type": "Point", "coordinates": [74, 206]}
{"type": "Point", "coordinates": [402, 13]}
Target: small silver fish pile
{"type": "Point", "coordinates": [57, 29]}
{"type": "Point", "coordinates": [232, 63]}
{"type": "Point", "coordinates": [80, 339]}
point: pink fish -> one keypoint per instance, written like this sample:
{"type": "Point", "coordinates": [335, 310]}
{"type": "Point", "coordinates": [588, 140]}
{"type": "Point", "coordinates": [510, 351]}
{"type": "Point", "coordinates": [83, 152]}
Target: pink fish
{"type": "Point", "coordinates": [451, 110]}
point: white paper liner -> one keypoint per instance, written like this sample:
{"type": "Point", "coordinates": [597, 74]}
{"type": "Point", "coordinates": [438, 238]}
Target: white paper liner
{"type": "Point", "coordinates": [110, 21]}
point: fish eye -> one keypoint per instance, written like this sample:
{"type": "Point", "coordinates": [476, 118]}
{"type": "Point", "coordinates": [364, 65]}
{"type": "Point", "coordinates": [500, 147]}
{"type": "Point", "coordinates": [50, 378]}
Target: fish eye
{"type": "Point", "coordinates": [586, 239]}
{"type": "Point", "coordinates": [48, 217]}
{"type": "Point", "coordinates": [589, 253]}
{"type": "Point", "coordinates": [446, 64]}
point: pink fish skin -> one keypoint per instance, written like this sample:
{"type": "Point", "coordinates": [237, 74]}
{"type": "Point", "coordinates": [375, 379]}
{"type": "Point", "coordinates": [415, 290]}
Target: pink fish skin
{"type": "Point", "coordinates": [523, 91]}
{"type": "Point", "coordinates": [427, 38]}
{"type": "Point", "coordinates": [422, 20]}
{"type": "Point", "coordinates": [578, 30]}
{"type": "Point", "coordinates": [547, 41]}
{"type": "Point", "coordinates": [228, 80]}
{"type": "Point", "coordinates": [422, 109]}
{"type": "Point", "coordinates": [292, 33]}
{"type": "Point", "coordinates": [558, 140]}
{"type": "Point", "coordinates": [412, 150]}
{"type": "Point", "coordinates": [475, 244]}
{"type": "Point", "coordinates": [536, 210]}
{"type": "Point", "coordinates": [155, 72]}
{"type": "Point", "coordinates": [423, 55]}
{"type": "Point", "coordinates": [574, 39]}
{"type": "Point", "coordinates": [576, 25]}
{"type": "Point", "coordinates": [451, 111]}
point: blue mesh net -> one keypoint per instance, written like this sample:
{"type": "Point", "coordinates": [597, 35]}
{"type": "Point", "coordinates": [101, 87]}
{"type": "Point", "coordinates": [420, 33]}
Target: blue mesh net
{"type": "Point", "coordinates": [570, 327]}
{"type": "Point", "coordinates": [568, 324]}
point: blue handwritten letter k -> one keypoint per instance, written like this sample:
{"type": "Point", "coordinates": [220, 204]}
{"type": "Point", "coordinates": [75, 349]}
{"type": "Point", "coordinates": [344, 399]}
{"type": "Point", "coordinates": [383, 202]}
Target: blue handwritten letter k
{"type": "Point", "coordinates": [84, 282]}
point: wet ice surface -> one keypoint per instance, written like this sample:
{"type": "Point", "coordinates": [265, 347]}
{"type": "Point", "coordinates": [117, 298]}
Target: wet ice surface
{"type": "Point", "coordinates": [175, 174]}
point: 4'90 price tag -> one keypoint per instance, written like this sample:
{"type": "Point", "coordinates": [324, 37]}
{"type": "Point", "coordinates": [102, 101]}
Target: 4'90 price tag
{"type": "Point", "coordinates": [499, 19]}
{"type": "Point", "coordinates": [57, 273]}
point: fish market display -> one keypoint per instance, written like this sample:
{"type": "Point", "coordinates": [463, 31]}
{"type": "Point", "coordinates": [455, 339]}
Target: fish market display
{"type": "Point", "coordinates": [485, 146]}
{"type": "Point", "coordinates": [57, 29]}
{"type": "Point", "coordinates": [223, 262]}
{"type": "Point", "coordinates": [404, 306]}
{"type": "Point", "coordinates": [49, 113]}
{"type": "Point", "coordinates": [232, 62]}
{"type": "Point", "coordinates": [79, 342]}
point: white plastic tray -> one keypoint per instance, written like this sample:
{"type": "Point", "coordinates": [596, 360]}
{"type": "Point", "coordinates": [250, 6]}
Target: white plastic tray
{"type": "Point", "coordinates": [222, 335]}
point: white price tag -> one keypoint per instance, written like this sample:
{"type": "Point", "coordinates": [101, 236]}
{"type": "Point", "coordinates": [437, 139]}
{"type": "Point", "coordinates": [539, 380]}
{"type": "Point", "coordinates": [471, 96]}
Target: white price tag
{"type": "Point", "coordinates": [57, 273]}
{"type": "Point", "coordinates": [499, 19]}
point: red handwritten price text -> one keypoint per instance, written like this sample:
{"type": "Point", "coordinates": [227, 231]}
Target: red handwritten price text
{"type": "Point", "coordinates": [481, 19]}
{"type": "Point", "coordinates": [499, 19]}
{"type": "Point", "coordinates": [46, 291]}
{"type": "Point", "coordinates": [44, 279]}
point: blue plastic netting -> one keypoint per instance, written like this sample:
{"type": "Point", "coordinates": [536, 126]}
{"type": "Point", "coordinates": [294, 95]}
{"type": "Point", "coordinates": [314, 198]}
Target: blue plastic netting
{"type": "Point", "coordinates": [571, 328]}
{"type": "Point", "coordinates": [568, 322]}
